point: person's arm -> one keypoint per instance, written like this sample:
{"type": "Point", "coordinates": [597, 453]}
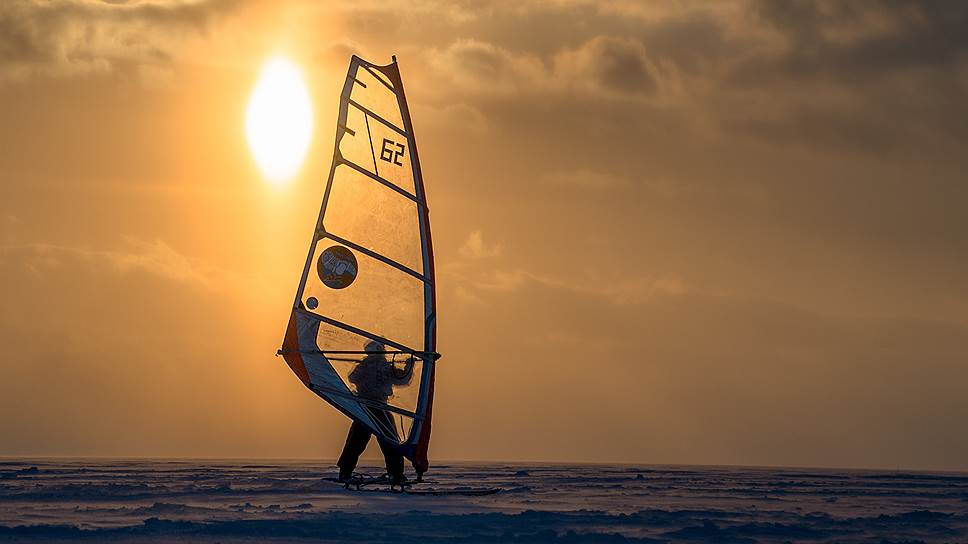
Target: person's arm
{"type": "Point", "coordinates": [358, 373]}
{"type": "Point", "coordinates": [403, 375]}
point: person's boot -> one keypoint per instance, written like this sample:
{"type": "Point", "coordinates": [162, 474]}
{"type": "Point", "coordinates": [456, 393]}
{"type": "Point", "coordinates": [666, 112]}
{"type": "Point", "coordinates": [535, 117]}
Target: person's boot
{"type": "Point", "coordinates": [398, 479]}
{"type": "Point", "coordinates": [345, 476]}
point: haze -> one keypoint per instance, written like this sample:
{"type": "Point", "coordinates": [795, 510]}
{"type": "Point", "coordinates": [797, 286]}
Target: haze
{"type": "Point", "coordinates": [723, 232]}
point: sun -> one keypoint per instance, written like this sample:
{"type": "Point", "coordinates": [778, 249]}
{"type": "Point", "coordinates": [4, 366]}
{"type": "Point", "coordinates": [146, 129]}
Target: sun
{"type": "Point", "coordinates": [279, 120]}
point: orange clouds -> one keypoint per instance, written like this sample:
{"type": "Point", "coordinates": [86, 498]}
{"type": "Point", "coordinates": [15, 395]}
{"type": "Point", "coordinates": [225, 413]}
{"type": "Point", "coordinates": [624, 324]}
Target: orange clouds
{"type": "Point", "coordinates": [691, 232]}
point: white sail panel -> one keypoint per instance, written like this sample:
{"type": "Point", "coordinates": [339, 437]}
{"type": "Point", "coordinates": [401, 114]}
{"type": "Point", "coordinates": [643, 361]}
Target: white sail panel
{"type": "Point", "coordinates": [373, 92]}
{"type": "Point", "coordinates": [381, 300]}
{"type": "Point", "coordinates": [354, 144]}
{"type": "Point", "coordinates": [323, 376]}
{"type": "Point", "coordinates": [391, 150]}
{"type": "Point", "coordinates": [364, 212]}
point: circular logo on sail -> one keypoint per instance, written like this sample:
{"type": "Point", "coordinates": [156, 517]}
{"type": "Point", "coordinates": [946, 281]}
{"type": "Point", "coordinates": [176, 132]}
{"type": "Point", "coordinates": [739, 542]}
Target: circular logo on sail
{"type": "Point", "coordinates": [337, 267]}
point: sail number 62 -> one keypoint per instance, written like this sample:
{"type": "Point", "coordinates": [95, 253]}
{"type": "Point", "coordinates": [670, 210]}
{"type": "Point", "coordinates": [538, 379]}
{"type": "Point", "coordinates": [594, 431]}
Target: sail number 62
{"type": "Point", "coordinates": [391, 152]}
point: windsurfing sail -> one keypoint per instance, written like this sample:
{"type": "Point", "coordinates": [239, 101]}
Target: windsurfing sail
{"type": "Point", "coordinates": [362, 334]}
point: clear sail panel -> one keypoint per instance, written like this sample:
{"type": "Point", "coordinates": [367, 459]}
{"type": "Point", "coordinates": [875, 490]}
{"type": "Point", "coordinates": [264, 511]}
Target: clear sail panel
{"type": "Point", "coordinates": [365, 293]}
{"type": "Point", "coordinates": [354, 143]}
{"type": "Point", "coordinates": [392, 156]}
{"type": "Point", "coordinates": [372, 215]}
{"type": "Point", "coordinates": [379, 380]}
{"type": "Point", "coordinates": [373, 382]}
{"type": "Point", "coordinates": [392, 425]}
{"type": "Point", "coordinates": [372, 90]}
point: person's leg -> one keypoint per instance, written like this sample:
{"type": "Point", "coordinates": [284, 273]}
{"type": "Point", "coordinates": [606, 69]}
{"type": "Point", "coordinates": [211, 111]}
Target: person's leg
{"type": "Point", "coordinates": [356, 442]}
{"type": "Point", "coordinates": [394, 460]}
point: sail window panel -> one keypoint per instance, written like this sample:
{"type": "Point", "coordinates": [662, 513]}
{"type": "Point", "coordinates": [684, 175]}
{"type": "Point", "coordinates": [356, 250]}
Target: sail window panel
{"type": "Point", "coordinates": [406, 391]}
{"type": "Point", "coordinates": [333, 338]}
{"type": "Point", "coordinates": [354, 408]}
{"type": "Point", "coordinates": [405, 385]}
{"type": "Point", "coordinates": [397, 427]}
{"type": "Point", "coordinates": [354, 143]}
{"type": "Point", "coordinates": [404, 426]}
{"type": "Point", "coordinates": [402, 378]}
{"type": "Point", "coordinates": [380, 299]}
{"type": "Point", "coordinates": [375, 72]}
{"type": "Point", "coordinates": [322, 374]}
{"type": "Point", "coordinates": [373, 94]}
{"type": "Point", "coordinates": [372, 215]}
{"type": "Point", "coordinates": [392, 156]}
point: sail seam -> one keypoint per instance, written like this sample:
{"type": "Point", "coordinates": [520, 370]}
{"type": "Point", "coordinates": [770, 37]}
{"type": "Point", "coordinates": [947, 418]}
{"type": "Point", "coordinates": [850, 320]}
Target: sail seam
{"type": "Point", "coordinates": [366, 402]}
{"type": "Point", "coordinates": [358, 331]}
{"type": "Point", "coordinates": [369, 136]}
{"type": "Point", "coordinates": [349, 130]}
{"type": "Point", "coordinates": [381, 180]}
{"type": "Point", "coordinates": [378, 78]}
{"type": "Point", "coordinates": [376, 116]}
{"type": "Point", "coordinates": [421, 354]}
{"type": "Point", "coordinates": [377, 256]}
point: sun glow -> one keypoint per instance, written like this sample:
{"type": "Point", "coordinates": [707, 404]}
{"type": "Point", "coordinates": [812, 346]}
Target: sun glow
{"type": "Point", "coordinates": [279, 120]}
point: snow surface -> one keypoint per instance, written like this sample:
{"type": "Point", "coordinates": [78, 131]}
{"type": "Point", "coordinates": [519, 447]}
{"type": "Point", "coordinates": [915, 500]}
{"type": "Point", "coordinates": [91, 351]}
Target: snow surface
{"type": "Point", "coordinates": [237, 501]}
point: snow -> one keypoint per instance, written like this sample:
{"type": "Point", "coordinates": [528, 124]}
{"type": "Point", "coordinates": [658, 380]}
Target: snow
{"type": "Point", "coordinates": [238, 501]}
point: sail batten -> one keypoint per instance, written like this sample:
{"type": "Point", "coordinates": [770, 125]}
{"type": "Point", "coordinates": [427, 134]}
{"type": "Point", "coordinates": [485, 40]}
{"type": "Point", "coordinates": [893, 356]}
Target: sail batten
{"type": "Point", "coordinates": [374, 115]}
{"type": "Point", "coordinates": [379, 78]}
{"type": "Point", "coordinates": [383, 181]}
{"type": "Point", "coordinates": [354, 330]}
{"type": "Point", "coordinates": [377, 256]}
{"type": "Point", "coordinates": [366, 304]}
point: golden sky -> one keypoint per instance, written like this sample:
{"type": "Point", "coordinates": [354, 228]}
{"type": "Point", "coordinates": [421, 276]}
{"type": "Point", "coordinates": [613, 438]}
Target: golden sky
{"type": "Point", "coordinates": [690, 232]}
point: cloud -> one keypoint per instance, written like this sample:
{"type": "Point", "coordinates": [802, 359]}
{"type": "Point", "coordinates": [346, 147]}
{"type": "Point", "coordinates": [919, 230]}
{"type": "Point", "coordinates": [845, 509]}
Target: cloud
{"type": "Point", "coordinates": [841, 75]}
{"type": "Point", "coordinates": [683, 203]}
{"type": "Point", "coordinates": [822, 75]}
{"type": "Point", "coordinates": [140, 338]}
{"type": "Point", "coordinates": [335, 54]}
{"type": "Point", "coordinates": [485, 68]}
{"type": "Point", "coordinates": [475, 248]}
{"type": "Point", "coordinates": [74, 37]}
{"type": "Point", "coordinates": [609, 65]}
{"type": "Point", "coordinates": [426, 11]}
{"type": "Point", "coordinates": [604, 66]}
{"type": "Point", "coordinates": [155, 258]}
{"type": "Point", "coordinates": [866, 39]}
{"type": "Point", "coordinates": [454, 118]}
{"type": "Point", "coordinates": [634, 290]}
{"type": "Point", "coordinates": [159, 259]}
{"type": "Point", "coordinates": [584, 178]}
{"type": "Point", "coordinates": [722, 378]}
{"type": "Point", "coordinates": [467, 296]}
{"type": "Point", "coordinates": [477, 285]}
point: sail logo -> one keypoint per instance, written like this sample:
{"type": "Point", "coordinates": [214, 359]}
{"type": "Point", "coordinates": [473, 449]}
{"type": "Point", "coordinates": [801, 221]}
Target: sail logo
{"type": "Point", "coordinates": [337, 267]}
{"type": "Point", "coordinates": [391, 152]}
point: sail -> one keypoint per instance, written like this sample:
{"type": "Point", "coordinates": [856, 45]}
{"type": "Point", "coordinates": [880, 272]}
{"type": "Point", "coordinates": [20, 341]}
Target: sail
{"type": "Point", "coordinates": [362, 334]}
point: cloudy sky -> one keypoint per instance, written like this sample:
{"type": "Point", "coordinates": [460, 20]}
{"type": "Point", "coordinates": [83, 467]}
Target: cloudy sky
{"type": "Point", "coordinates": [723, 232]}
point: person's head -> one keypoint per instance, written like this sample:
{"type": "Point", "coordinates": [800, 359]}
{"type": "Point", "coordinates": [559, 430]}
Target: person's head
{"type": "Point", "coordinates": [374, 347]}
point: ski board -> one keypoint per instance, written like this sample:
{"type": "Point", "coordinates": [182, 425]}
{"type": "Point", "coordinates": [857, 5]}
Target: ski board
{"type": "Point", "coordinates": [382, 485]}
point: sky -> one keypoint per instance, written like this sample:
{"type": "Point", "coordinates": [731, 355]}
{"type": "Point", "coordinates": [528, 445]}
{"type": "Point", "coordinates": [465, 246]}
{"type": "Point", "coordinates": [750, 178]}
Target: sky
{"type": "Point", "coordinates": [676, 232]}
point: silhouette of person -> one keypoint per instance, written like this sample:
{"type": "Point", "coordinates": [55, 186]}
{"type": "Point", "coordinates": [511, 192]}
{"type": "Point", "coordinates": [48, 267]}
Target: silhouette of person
{"type": "Point", "coordinates": [374, 378]}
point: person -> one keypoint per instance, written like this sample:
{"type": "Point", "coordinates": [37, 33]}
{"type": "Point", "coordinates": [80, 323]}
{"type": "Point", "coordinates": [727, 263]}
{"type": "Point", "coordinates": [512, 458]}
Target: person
{"type": "Point", "coordinates": [374, 378]}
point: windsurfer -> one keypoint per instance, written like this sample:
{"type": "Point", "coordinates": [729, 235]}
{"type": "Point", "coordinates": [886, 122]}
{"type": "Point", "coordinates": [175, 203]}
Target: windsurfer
{"type": "Point", "coordinates": [374, 378]}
